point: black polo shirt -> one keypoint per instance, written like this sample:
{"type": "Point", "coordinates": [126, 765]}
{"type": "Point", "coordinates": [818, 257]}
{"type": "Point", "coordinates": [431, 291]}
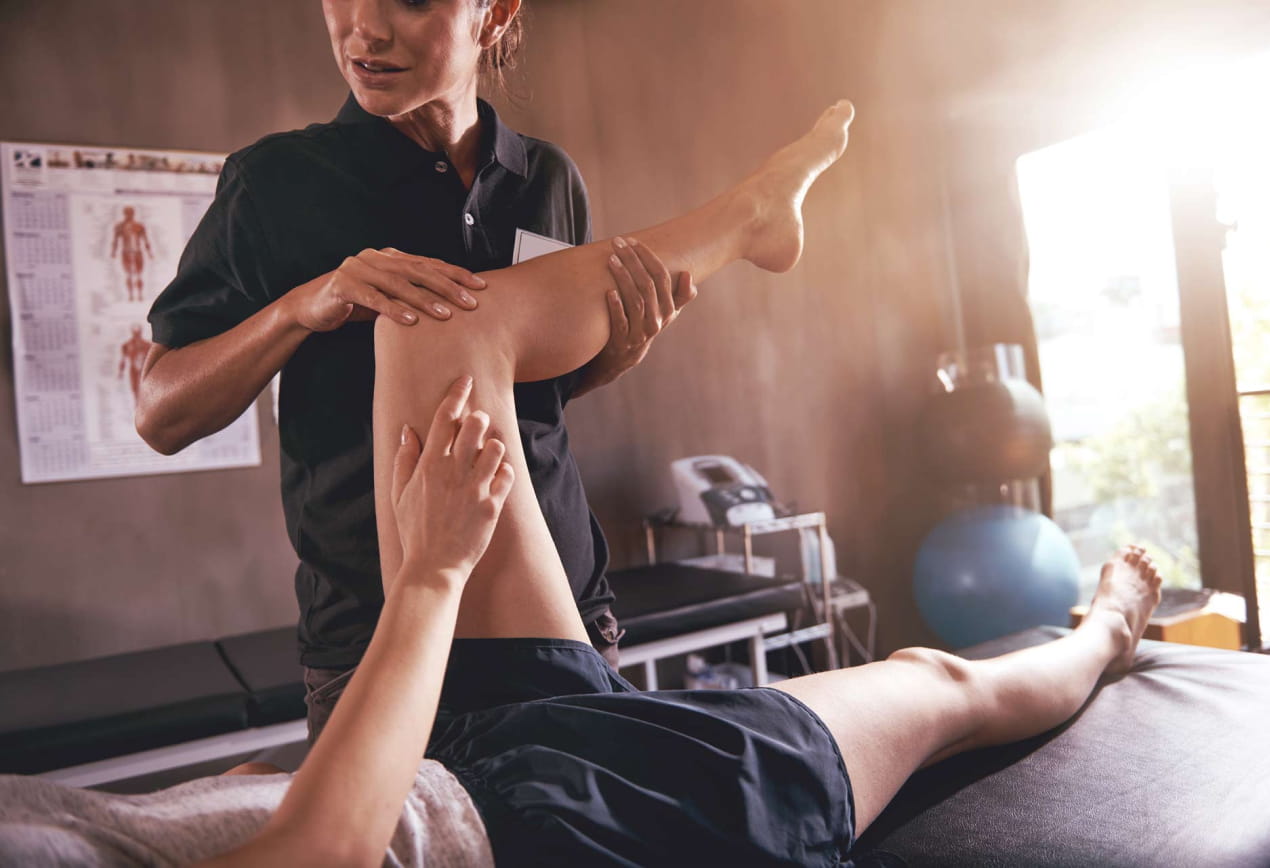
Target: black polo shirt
{"type": "Point", "coordinates": [293, 206]}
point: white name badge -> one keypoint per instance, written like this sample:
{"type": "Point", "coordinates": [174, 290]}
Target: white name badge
{"type": "Point", "coordinates": [531, 244]}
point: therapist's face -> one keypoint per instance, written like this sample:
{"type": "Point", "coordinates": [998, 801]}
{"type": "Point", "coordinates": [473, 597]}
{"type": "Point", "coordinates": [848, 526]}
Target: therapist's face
{"type": "Point", "coordinates": [398, 55]}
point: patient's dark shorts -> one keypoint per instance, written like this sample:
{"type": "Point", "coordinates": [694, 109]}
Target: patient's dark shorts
{"type": "Point", "coordinates": [570, 765]}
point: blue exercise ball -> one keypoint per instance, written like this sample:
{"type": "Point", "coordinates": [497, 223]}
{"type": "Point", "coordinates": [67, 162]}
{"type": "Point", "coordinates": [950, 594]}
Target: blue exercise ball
{"type": "Point", "coordinates": [993, 570]}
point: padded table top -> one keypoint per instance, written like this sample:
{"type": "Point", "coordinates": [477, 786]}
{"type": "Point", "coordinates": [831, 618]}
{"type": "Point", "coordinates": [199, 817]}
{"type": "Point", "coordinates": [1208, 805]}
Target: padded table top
{"type": "Point", "coordinates": [670, 599]}
{"type": "Point", "coordinates": [1169, 765]}
{"type": "Point", "coordinates": [267, 663]}
{"type": "Point", "coordinates": [71, 713]}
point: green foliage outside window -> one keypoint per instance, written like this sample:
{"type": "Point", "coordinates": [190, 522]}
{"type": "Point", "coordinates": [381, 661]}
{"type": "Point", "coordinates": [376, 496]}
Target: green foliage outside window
{"type": "Point", "coordinates": [1140, 471]}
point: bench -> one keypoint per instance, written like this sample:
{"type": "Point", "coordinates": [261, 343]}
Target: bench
{"type": "Point", "coordinates": [120, 717]}
{"type": "Point", "coordinates": [126, 715]}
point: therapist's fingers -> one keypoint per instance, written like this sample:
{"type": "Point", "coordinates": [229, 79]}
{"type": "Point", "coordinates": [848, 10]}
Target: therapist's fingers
{"type": "Point", "coordinates": [425, 285]}
{"type": "Point", "coordinates": [445, 422]}
{"type": "Point", "coordinates": [642, 312]}
{"type": "Point", "coordinates": [685, 291]}
{"type": "Point", "coordinates": [662, 283]}
{"type": "Point", "coordinates": [400, 289]}
{"type": "Point", "coordinates": [357, 283]}
{"type": "Point", "coordinates": [430, 285]}
{"type": "Point", "coordinates": [619, 325]}
{"type": "Point", "coordinates": [624, 280]}
{"type": "Point", "coordinates": [456, 273]}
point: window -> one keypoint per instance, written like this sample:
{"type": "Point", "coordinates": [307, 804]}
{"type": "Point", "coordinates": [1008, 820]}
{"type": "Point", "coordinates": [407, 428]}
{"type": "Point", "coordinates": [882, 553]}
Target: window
{"type": "Point", "coordinates": [1104, 295]}
{"type": "Point", "coordinates": [1103, 292]}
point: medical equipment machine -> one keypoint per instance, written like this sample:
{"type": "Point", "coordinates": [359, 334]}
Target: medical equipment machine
{"type": "Point", "coordinates": [718, 490]}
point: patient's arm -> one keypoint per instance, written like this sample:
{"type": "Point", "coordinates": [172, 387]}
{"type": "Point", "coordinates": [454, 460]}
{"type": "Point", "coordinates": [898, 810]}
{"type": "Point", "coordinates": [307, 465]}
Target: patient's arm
{"type": "Point", "coordinates": [346, 798]}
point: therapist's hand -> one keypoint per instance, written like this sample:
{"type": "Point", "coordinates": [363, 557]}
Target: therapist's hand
{"type": "Point", "coordinates": [448, 492]}
{"type": "Point", "coordinates": [645, 301]}
{"type": "Point", "coordinates": [383, 282]}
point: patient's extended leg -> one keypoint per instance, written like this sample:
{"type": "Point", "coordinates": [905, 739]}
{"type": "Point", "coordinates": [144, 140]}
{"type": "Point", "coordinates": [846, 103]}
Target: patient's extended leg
{"type": "Point", "coordinates": [920, 705]}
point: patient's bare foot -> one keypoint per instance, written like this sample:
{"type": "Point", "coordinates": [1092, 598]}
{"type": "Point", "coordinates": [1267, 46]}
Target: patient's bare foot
{"type": "Point", "coordinates": [1128, 592]}
{"type": "Point", "coordinates": [775, 192]}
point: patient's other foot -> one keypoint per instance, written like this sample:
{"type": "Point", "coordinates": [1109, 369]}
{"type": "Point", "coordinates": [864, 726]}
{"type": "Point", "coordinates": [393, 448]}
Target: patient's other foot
{"type": "Point", "coordinates": [777, 189]}
{"type": "Point", "coordinates": [1128, 592]}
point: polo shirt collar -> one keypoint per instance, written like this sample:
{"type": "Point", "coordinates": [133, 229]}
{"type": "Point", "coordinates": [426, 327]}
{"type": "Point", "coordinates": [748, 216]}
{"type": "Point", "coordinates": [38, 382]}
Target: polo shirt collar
{"type": "Point", "coordinates": [395, 155]}
{"type": "Point", "coordinates": [509, 147]}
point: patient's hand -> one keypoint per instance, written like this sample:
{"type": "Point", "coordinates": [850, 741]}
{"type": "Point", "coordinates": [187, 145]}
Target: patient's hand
{"type": "Point", "coordinates": [448, 492]}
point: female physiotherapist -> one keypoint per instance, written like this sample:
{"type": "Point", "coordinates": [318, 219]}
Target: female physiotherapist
{"type": "Point", "coordinates": [387, 210]}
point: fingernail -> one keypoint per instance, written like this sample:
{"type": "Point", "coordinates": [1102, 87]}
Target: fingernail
{"type": "Point", "coordinates": [405, 433]}
{"type": "Point", "coordinates": [407, 316]}
{"type": "Point", "coordinates": [613, 260]}
{"type": "Point", "coordinates": [479, 281]}
{"type": "Point", "coordinates": [441, 310]}
{"type": "Point", "coordinates": [632, 241]}
{"type": "Point", "coordinates": [467, 299]}
{"type": "Point", "coordinates": [619, 242]}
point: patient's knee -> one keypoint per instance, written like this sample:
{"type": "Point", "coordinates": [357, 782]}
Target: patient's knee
{"type": "Point", "coordinates": [964, 697]}
{"type": "Point", "coordinates": [466, 335]}
{"type": "Point", "coordinates": [392, 336]}
{"type": "Point", "coordinates": [400, 347]}
{"type": "Point", "coordinates": [939, 663]}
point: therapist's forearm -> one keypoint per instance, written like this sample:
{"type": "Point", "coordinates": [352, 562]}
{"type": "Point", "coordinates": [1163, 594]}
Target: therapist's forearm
{"type": "Point", "coordinates": [346, 799]}
{"type": "Point", "coordinates": [196, 390]}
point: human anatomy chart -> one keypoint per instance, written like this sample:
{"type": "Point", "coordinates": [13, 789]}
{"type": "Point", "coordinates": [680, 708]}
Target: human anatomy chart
{"type": "Point", "coordinates": [91, 236]}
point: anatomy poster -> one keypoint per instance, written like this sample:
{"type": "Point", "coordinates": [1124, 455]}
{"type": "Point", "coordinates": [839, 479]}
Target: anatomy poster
{"type": "Point", "coordinates": [91, 236]}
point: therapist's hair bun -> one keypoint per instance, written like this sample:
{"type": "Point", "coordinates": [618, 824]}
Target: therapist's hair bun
{"type": "Point", "coordinates": [502, 55]}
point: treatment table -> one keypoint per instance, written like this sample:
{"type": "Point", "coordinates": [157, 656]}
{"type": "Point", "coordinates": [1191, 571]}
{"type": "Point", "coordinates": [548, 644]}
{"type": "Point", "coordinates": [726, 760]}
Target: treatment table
{"type": "Point", "coordinates": [1169, 765]}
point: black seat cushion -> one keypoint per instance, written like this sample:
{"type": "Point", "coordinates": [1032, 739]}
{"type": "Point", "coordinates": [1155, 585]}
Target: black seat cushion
{"type": "Point", "coordinates": [267, 664]}
{"type": "Point", "coordinates": [1169, 765]}
{"type": "Point", "coordinates": [669, 599]}
{"type": "Point", "coordinates": [72, 713]}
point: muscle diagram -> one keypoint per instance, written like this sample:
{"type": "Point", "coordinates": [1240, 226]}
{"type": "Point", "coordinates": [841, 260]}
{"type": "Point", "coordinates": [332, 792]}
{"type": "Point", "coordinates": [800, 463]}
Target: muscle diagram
{"type": "Point", "coordinates": [131, 244]}
{"type": "Point", "coordinates": [132, 354]}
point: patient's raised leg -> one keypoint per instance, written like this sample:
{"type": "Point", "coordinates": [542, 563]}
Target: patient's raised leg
{"type": "Point", "coordinates": [919, 706]}
{"type": "Point", "coordinates": [547, 317]}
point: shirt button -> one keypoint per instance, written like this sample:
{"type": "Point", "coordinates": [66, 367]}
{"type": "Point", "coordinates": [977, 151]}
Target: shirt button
{"type": "Point", "coordinates": [441, 166]}
{"type": "Point", "coordinates": [469, 219]}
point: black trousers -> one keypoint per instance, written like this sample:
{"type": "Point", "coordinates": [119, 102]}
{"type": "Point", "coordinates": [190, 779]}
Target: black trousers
{"type": "Point", "coordinates": [324, 687]}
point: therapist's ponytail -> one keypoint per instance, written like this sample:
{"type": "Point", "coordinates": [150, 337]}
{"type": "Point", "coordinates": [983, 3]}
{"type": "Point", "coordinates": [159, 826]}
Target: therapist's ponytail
{"type": "Point", "coordinates": [500, 58]}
